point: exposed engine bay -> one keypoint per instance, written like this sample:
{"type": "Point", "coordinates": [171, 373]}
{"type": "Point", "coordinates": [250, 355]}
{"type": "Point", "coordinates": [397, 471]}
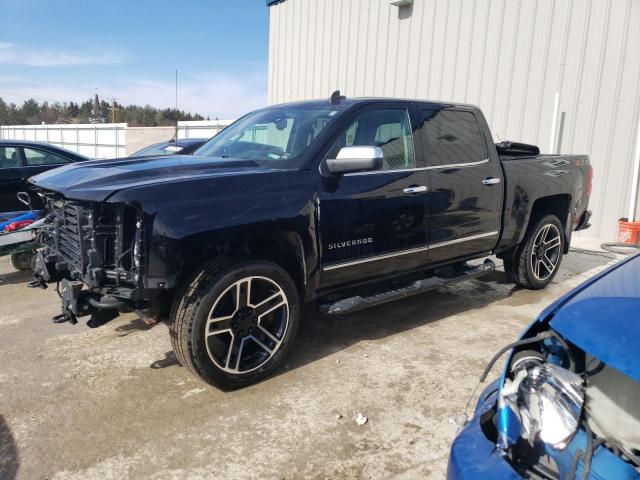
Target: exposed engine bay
{"type": "Point", "coordinates": [562, 413]}
{"type": "Point", "coordinates": [94, 253]}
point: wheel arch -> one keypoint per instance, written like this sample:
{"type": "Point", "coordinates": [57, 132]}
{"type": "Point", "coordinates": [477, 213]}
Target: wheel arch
{"type": "Point", "coordinates": [282, 247]}
{"type": "Point", "coordinates": [558, 205]}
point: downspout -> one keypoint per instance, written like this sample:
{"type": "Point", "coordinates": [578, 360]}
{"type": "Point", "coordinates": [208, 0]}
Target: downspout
{"type": "Point", "coordinates": [634, 178]}
{"type": "Point", "coordinates": [554, 124]}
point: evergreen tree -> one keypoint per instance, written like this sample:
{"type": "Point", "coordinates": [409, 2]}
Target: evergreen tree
{"type": "Point", "coordinates": [31, 113]}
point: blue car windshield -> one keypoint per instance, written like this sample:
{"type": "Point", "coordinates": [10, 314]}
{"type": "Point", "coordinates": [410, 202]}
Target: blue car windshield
{"type": "Point", "coordinates": [275, 137]}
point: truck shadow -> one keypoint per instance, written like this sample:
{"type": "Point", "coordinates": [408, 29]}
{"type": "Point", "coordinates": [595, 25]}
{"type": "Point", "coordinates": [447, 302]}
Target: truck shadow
{"type": "Point", "coordinates": [134, 325]}
{"type": "Point", "coordinates": [8, 452]}
{"type": "Point", "coordinates": [16, 277]}
{"type": "Point", "coordinates": [321, 335]}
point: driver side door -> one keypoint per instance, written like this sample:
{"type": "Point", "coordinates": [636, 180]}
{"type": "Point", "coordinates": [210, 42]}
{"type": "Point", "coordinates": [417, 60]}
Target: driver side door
{"type": "Point", "coordinates": [373, 224]}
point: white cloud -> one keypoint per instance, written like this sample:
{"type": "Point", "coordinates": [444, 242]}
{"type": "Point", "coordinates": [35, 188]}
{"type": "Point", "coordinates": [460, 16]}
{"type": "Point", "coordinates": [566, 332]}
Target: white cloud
{"type": "Point", "coordinates": [222, 95]}
{"type": "Point", "coordinates": [11, 54]}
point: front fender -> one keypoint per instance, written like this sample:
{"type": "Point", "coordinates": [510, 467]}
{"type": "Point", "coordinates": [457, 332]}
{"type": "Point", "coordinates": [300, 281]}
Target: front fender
{"type": "Point", "coordinates": [186, 217]}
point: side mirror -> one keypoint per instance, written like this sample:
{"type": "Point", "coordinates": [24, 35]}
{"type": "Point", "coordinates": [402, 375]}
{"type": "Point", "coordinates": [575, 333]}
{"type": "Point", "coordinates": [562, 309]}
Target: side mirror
{"type": "Point", "coordinates": [25, 198]}
{"type": "Point", "coordinates": [356, 159]}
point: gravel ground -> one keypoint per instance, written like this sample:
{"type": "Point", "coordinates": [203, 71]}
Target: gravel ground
{"type": "Point", "coordinates": [113, 402]}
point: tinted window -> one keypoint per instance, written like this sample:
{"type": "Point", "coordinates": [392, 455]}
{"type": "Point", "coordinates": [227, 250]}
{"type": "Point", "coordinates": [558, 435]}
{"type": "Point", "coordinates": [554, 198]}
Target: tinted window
{"type": "Point", "coordinates": [451, 136]}
{"type": "Point", "coordinates": [37, 157]}
{"type": "Point", "coordinates": [9, 157]}
{"type": "Point", "coordinates": [389, 129]}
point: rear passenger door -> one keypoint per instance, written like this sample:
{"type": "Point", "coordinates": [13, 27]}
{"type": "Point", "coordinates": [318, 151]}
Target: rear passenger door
{"type": "Point", "coordinates": [10, 179]}
{"type": "Point", "coordinates": [466, 190]}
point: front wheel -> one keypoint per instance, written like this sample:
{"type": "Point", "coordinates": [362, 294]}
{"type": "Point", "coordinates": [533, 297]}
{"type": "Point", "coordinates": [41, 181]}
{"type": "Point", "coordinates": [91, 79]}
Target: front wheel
{"type": "Point", "coordinates": [233, 323]}
{"type": "Point", "coordinates": [539, 257]}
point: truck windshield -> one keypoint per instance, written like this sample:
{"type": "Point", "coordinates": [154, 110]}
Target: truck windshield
{"type": "Point", "coordinates": [275, 137]}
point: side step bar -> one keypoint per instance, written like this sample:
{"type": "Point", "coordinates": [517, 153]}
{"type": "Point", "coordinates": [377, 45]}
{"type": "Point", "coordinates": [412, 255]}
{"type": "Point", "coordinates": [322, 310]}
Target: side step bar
{"type": "Point", "coordinates": [353, 304]}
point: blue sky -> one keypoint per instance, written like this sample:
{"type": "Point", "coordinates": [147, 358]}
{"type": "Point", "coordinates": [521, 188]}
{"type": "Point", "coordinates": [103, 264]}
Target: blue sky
{"type": "Point", "coordinates": [59, 50]}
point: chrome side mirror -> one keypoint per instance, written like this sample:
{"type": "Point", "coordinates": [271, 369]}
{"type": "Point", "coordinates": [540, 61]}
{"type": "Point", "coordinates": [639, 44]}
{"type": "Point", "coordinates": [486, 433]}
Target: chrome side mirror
{"type": "Point", "coordinates": [356, 159]}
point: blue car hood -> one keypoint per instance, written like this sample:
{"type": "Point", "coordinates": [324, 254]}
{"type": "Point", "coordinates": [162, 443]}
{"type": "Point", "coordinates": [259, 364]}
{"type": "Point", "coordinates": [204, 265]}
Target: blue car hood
{"type": "Point", "coordinates": [603, 317]}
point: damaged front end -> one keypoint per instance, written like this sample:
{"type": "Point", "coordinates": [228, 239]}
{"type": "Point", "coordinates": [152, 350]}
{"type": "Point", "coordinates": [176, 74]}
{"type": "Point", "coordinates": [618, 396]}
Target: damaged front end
{"type": "Point", "coordinates": [93, 252]}
{"type": "Point", "coordinates": [562, 413]}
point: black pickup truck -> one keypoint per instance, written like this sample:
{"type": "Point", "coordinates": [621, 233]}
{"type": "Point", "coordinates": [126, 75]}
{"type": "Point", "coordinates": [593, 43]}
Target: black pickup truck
{"type": "Point", "coordinates": [345, 203]}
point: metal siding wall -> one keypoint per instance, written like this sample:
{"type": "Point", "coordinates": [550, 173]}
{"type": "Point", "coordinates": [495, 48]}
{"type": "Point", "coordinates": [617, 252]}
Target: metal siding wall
{"type": "Point", "coordinates": [509, 57]}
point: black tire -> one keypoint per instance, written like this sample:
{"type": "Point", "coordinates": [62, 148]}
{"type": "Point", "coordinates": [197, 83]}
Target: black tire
{"type": "Point", "coordinates": [21, 260]}
{"type": "Point", "coordinates": [526, 357]}
{"type": "Point", "coordinates": [521, 270]}
{"type": "Point", "coordinates": [219, 285]}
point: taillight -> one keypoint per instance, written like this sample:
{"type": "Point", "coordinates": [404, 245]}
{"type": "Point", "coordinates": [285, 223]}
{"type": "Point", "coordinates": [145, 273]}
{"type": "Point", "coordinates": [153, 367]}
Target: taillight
{"type": "Point", "coordinates": [589, 180]}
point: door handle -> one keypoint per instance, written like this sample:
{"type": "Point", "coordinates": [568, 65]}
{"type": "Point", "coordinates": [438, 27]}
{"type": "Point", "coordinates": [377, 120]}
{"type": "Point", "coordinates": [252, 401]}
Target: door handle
{"type": "Point", "coordinates": [490, 181]}
{"type": "Point", "coordinates": [416, 189]}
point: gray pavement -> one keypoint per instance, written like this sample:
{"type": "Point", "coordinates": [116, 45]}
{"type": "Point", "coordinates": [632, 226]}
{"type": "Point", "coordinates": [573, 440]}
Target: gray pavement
{"type": "Point", "coordinates": [113, 402]}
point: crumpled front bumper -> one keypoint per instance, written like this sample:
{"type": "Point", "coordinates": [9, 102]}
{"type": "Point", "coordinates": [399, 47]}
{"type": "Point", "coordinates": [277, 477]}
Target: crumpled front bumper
{"type": "Point", "coordinates": [473, 455]}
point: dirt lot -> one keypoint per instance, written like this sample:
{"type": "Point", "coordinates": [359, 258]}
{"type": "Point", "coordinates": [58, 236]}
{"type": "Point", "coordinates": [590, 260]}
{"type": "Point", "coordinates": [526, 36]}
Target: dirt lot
{"type": "Point", "coordinates": [113, 403]}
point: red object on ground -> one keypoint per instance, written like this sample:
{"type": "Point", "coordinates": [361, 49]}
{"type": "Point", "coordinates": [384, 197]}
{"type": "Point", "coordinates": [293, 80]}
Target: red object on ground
{"type": "Point", "coordinates": [12, 227]}
{"type": "Point", "coordinates": [628, 232]}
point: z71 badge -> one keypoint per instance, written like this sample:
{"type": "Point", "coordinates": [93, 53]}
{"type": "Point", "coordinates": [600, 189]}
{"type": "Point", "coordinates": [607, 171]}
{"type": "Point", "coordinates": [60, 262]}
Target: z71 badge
{"type": "Point", "coordinates": [350, 243]}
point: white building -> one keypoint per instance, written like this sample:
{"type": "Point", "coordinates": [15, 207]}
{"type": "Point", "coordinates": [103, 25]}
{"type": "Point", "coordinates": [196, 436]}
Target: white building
{"type": "Point", "coordinates": [562, 74]}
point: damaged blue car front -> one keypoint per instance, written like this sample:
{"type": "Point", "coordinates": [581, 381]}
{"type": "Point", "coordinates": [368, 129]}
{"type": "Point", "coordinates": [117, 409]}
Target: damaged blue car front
{"type": "Point", "coordinates": [568, 402]}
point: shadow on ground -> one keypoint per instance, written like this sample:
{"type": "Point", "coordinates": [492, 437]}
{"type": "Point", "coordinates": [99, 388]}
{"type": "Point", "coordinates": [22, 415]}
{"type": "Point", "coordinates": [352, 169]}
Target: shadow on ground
{"type": "Point", "coordinates": [169, 360]}
{"type": "Point", "coordinates": [8, 452]}
{"type": "Point", "coordinates": [14, 278]}
{"type": "Point", "coordinates": [134, 326]}
{"type": "Point", "coordinates": [321, 335]}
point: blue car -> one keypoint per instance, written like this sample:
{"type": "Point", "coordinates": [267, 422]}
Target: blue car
{"type": "Point", "coordinates": [568, 402]}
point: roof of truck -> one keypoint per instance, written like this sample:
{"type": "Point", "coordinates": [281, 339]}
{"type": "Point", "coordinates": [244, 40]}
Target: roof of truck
{"type": "Point", "coordinates": [350, 101]}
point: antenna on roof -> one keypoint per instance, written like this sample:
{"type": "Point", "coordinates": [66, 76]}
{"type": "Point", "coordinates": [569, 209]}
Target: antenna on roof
{"type": "Point", "coordinates": [336, 97]}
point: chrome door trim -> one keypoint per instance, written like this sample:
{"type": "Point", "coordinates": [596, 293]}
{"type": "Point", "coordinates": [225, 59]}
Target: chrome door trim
{"type": "Point", "coordinates": [420, 169]}
{"type": "Point", "coordinates": [459, 165]}
{"type": "Point", "coordinates": [385, 256]}
{"type": "Point", "coordinates": [373, 259]}
{"type": "Point", "coordinates": [377, 172]}
{"type": "Point", "coordinates": [464, 239]}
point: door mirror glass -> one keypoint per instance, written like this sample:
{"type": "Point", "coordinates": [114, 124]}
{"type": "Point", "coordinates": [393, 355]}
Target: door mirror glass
{"type": "Point", "coordinates": [356, 159]}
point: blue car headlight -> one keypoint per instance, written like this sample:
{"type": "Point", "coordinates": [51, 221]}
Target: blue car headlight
{"type": "Point", "coordinates": [546, 400]}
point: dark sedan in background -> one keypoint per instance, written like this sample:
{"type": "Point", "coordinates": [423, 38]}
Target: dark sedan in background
{"type": "Point", "coordinates": [183, 146]}
{"type": "Point", "coordinates": [21, 159]}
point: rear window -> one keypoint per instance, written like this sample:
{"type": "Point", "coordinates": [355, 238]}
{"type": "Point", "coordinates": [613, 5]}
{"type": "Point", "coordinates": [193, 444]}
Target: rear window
{"type": "Point", "coordinates": [451, 137]}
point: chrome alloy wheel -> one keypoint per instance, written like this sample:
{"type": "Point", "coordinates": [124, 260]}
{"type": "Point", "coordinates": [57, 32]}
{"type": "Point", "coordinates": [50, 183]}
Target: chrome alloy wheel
{"type": "Point", "coordinates": [545, 253]}
{"type": "Point", "coordinates": [246, 325]}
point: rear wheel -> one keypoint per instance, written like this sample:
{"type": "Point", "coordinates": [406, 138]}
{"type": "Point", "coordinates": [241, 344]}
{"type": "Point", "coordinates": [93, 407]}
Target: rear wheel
{"type": "Point", "coordinates": [234, 322]}
{"type": "Point", "coordinates": [539, 257]}
{"type": "Point", "coordinates": [22, 260]}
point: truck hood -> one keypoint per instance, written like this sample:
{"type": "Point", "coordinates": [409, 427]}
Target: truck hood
{"type": "Point", "coordinates": [602, 317]}
{"type": "Point", "coordinates": [97, 180]}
